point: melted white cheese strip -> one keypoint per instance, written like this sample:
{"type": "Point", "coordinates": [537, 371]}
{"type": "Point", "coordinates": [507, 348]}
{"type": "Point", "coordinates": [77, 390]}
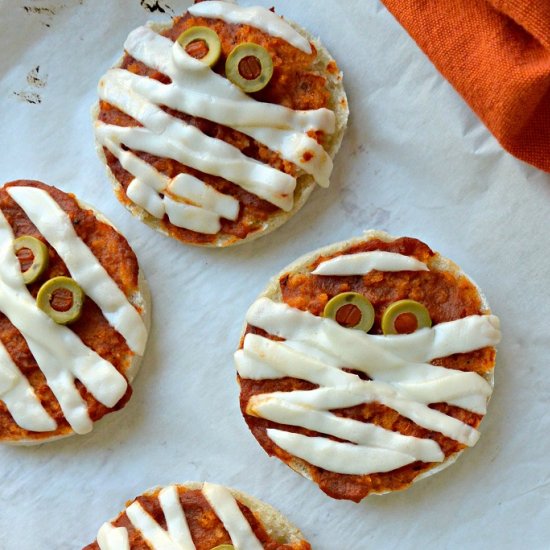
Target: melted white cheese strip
{"type": "Point", "coordinates": [55, 225]}
{"type": "Point", "coordinates": [187, 145]}
{"type": "Point", "coordinates": [227, 509]}
{"type": "Point", "coordinates": [316, 350]}
{"type": "Point", "coordinates": [365, 262]}
{"type": "Point", "coordinates": [274, 407]}
{"type": "Point", "coordinates": [358, 350]}
{"type": "Point", "coordinates": [195, 89]}
{"type": "Point", "coordinates": [59, 353]}
{"type": "Point", "coordinates": [148, 183]}
{"type": "Point", "coordinates": [287, 362]}
{"type": "Point", "coordinates": [185, 186]}
{"type": "Point", "coordinates": [20, 399]}
{"type": "Point", "coordinates": [178, 536]}
{"type": "Point", "coordinates": [146, 197]}
{"type": "Point", "coordinates": [110, 537]}
{"type": "Point", "coordinates": [257, 17]}
{"type": "Point", "coordinates": [357, 393]}
{"type": "Point", "coordinates": [343, 458]}
{"type": "Point", "coordinates": [192, 217]}
{"type": "Point", "coordinates": [175, 518]}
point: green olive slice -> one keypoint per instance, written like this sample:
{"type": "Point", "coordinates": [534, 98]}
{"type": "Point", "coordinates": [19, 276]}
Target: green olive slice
{"type": "Point", "coordinates": [351, 310]}
{"type": "Point", "coordinates": [62, 299]}
{"type": "Point", "coordinates": [202, 43]}
{"type": "Point", "coordinates": [224, 547]}
{"type": "Point", "coordinates": [404, 317]}
{"type": "Point", "coordinates": [30, 249]}
{"type": "Point", "coordinates": [250, 67]}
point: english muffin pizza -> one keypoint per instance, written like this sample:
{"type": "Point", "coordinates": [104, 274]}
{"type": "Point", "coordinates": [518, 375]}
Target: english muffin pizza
{"type": "Point", "coordinates": [198, 516]}
{"type": "Point", "coordinates": [368, 365]}
{"type": "Point", "coordinates": [216, 127]}
{"type": "Point", "coordinates": [73, 315]}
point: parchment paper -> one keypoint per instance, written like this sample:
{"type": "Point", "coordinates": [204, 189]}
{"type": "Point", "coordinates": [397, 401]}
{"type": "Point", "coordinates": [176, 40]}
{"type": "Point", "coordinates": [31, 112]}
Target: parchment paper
{"type": "Point", "coordinates": [415, 162]}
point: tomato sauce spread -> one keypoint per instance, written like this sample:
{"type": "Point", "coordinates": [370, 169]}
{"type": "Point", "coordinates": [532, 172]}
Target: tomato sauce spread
{"type": "Point", "coordinates": [446, 295]}
{"type": "Point", "coordinates": [295, 84]}
{"type": "Point", "coordinates": [207, 530]}
{"type": "Point", "coordinates": [118, 259]}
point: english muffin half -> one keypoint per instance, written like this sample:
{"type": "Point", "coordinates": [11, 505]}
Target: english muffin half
{"type": "Point", "coordinates": [199, 516]}
{"type": "Point", "coordinates": [368, 365]}
{"type": "Point", "coordinates": [216, 127]}
{"type": "Point", "coordinates": [74, 312]}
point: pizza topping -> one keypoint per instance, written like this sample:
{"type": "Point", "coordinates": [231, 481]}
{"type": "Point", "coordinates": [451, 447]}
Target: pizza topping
{"type": "Point", "coordinates": [20, 398]}
{"type": "Point", "coordinates": [194, 90]}
{"type": "Point", "coordinates": [60, 354]}
{"type": "Point", "coordinates": [202, 43]}
{"type": "Point", "coordinates": [362, 263]}
{"type": "Point", "coordinates": [33, 256]}
{"type": "Point", "coordinates": [351, 310]}
{"type": "Point", "coordinates": [250, 67]}
{"type": "Point", "coordinates": [177, 533]}
{"type": "Point", "coordinates": [405, 317]}
{"type": "Point", "coordinates": [350, 369]}
{"type": "Point", "coordinates": [52, 222]}
{"type": "Point", "coordinates": [61, 298]}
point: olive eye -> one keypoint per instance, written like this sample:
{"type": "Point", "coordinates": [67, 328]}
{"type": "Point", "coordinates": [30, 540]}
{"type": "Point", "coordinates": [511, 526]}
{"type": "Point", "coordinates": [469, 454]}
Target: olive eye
{"type": "Point", "coordinates": [224, 547]}
{"type": "Point", "coordinates": [405, 317]}
{"type": "Point", "coordinates": [202, 43]}
{"type": "Point", "coordinates": [62, 299]}
{"type": "Point", "coordinates": [250, 67]}
{"type": "Point", "coordinates": [351, 310]}
{"type": "Point", "coordinates": [33, 257]}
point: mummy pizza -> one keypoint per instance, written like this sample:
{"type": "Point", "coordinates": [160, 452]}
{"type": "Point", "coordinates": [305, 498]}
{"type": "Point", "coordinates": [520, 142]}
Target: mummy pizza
{"type": "Point", "coordinates": [198, 516]}
{"type": "Point", "coordinates": [72, 315]}
{"type": "Point", "coordinates": [368, 365]}
{"type": "Point", "coordinates": [216, 128]}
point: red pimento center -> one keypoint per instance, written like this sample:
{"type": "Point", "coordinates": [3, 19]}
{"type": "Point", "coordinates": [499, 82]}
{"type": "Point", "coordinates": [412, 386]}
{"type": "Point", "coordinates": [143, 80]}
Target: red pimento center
{"type": "Point", "coordinates": [26, 258]}
{"type": "Point", "coordinates": [349, 316]}
{"type": "Point", "coordinates": [406, 323]}
{"type": "Point", "coordinates": [197, 49]}
{"type": "Point", "coordinates": [250, 67]}
{"type": "Point", "coordinates": [61, 299]}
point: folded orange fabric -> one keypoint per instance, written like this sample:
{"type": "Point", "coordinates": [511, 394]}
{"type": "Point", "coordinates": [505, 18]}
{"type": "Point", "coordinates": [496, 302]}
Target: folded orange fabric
{"type": "Point", "coordinates": [496, 54]}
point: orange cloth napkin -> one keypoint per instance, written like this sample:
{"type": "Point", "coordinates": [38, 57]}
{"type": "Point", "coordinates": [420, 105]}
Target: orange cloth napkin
{"type": "Point", "coordinates": [496, 54]}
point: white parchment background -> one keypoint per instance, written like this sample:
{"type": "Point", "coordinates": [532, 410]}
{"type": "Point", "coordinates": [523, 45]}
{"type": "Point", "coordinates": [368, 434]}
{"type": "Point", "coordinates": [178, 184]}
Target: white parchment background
{"type": "Point", "coordinates": [415, 162]}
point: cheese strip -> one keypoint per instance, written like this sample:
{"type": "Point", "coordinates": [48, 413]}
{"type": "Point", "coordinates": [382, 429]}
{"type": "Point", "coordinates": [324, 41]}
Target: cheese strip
{"type": "Point", "coordinates": [20, 399]}
{"type": "Point", "coordinates": [192, 217]}
{"type": "Point", "coordinates": [148, 183]}
{"type": "Point", "coordinates": [272, 407]}
{"type": "Point", "coordinates": [147, 198]}
{"type": "Point", "coordinates": [362, 263]}
{"type": "Point", "coordinates": [358, 350]}
{"type": "Point", "coordinates": [350, 392]}
{"type": "Point", "coordinates": [189, 188]}
{"type": "Point", "coordinates": [257, 17]}
{"type": "Point", "coordinates": [113, 538]}
{"type": "Point", "coordinates": [175, 518]}
{"type": "Point", "coordinates": [59, 353]}
{"type": "Point", "coordinates": [55, 225]}
{"type": "Point", "coordinates": [157, 538]}
{"type": "Point", "coordinates": [187, 145]}
{"type": "Point", "coordinates": [342, 458]}
{"type": "Point", "coordinates": [226, 508]}
{"type": "Point", "coordinates": [358, 393]}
